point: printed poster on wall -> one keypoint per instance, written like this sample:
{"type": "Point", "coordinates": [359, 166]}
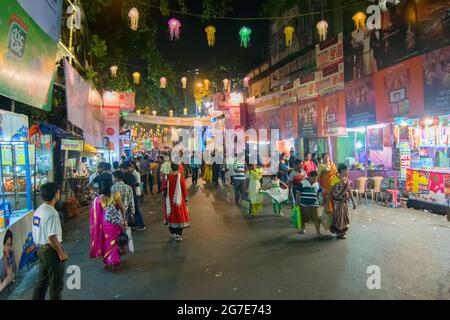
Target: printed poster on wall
{"type": "Point", "coordinates": [399, 91]}
{"type": "Point", "coordinates": [331, 79]}
{"type": "Point", "coordinates": [360, 102]}
{"type": "Point", "coordinates": [307, 119]}
{"type": "Point", "coordinates": [274, 117]}
{"type": "Point", "coordinates": [308, 86]}
{"type": "Point", "coordinates": [376, 138]}
{"type": "Point", "coordinates": [27, 57]}
{"type": "Point", "coordinates": [330, 51]}
{"type": "Point", "coordinates": [111, 129]}
{"type": "Point", "coordinates": [13, 126]}
{"type": "Point", "coordinates": [289, 122]}
{"type": "Point", "coordinates": [331, 115]}
{"type": "Point", "coordinates": [436, 71]}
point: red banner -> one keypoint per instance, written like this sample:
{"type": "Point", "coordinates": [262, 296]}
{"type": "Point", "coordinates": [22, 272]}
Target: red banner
{"type": "Point", "coordinates": [399, 91]}
{"type": "Point", "coordinates": [331, 115]}
{"type": "Point", "coordinates": [122, 100]}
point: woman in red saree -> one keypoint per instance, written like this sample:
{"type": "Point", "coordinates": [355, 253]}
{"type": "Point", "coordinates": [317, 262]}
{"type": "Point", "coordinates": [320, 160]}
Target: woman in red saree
{"type": "Point", "coordinates": [327, 171]}
{"type": "Point", "coordinates": [309, 165]}
{"type": "Point", "coordinates": [175, 196]}
{"type": "Point", "coordinates": [104, 234]}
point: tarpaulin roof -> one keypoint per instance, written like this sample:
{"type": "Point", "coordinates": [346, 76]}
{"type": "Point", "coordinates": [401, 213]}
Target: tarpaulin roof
{"type": "Point", "coordinates": [45, 128]}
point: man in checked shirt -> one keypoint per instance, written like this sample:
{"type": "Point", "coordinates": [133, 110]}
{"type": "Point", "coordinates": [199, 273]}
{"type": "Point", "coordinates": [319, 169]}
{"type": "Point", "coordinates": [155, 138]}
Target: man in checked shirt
{"type": "Point", "coordinates": [126, 194]}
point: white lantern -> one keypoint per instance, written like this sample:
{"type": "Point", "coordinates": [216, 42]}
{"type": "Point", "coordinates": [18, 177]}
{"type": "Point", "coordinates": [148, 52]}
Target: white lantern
{"type": "Point", "coordinates": [185, 111]}
{"type": "Point", "coordinates": [171, 113]}
{"type": "Point", "coordinates": [184, 82]}
{"type": "Point", "coordinates": [226, 84]}
{"type": "Point", "coordinates": [163, 82]}
{"type": "Point", "coordinates": [322, 29]}
{"type": "Point", "coordinates": [154, 113]}
{"type": "Point", "coordinates": [114, 71]}
{"type": "Point", "coordinates": [134, 18]}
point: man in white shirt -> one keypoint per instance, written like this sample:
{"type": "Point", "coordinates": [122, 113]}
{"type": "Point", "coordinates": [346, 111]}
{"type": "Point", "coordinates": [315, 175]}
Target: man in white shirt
{"type": "Point", "coordinates": [47, 235]}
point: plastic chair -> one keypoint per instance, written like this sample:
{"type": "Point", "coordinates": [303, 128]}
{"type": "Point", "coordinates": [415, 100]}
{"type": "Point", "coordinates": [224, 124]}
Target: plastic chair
{"type": "Point", "coordinates": [394, 203]}
{"type": "Point", "coordinates": [376, 192]}
{"type": "Point", "coordinates": [362, 189]}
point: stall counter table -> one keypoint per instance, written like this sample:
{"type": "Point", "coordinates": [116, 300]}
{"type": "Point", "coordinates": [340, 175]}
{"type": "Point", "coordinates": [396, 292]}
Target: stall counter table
{"type": "Point", "coordinates": [429, 185]}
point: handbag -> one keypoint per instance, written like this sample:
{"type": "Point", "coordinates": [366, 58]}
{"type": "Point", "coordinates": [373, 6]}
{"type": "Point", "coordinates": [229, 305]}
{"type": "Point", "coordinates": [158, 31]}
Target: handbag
{"type": "Point", "coordinates": [296, 217]}
{"type": "Point", "coordinates": [113, 215]}
{"type": "Point", "coordinates": [122, 241]}
{"type": "Point", "coordinates": [130, 239]}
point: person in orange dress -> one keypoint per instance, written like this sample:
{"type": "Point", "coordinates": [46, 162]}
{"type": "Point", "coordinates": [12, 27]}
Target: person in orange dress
{"type": "Point", "coordinates": [327, 170]}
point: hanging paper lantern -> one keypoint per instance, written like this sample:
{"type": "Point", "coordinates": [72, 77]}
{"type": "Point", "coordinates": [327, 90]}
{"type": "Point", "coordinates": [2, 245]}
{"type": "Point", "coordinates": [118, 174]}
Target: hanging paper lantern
{"type": "Point", "coordinates": [185, 111]}
{"type": "Point", "coordinates": [288, 33]}
{"type": "Point", "coordinates": [322, 29]}
{"type": "Point", "coordinates": [184, 82]}
{"type": "Point", "coordinates": [114, 71]}
{"type": "Point", "coordinates": [360, 20]}
{"type": "Point", "coordinates": [245, 36]}
{"type": "Point", "coordinates": [206, 82]}
{"type": "Point", "coordinates": [134, 18]}
{"type": "Point", "coordinates": [174, 29]}
{"type": "Point", "coordinates": [210, 35]}
{"type": "Point", "coordinates": [137, 77]}
{"type": "Point", "coordinates": [246, 81]}
{"type": "Point", "coordinates": [163, 82]}
{"type": "Point", "coordinates": [154, 113]}
{"type": "Point", "coordinates": [226, 84]}
{"type": "Point", "coordinates": [171, 113]}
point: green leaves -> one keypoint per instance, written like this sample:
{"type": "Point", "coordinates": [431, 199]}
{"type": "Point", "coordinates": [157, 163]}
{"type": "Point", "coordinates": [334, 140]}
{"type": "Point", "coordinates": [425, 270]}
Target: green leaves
{"type": "Point", "coordinates": [98, 47]}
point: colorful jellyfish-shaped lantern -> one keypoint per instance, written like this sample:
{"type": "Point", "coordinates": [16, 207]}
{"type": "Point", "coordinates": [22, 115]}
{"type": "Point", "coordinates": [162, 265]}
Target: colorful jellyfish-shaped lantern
{"type": "Point", "coordinates": [322, 29]}
{"type": "Point", "coordinates": [360, 20]}
{"type": "Point", "coordinates": [245, 33]}
{"type": "Point", "coordinates": [163, 82]}
{"type": "Point", "coordinates": [114, 71]}
{"type": "Point", "coordinates": [174, 29]}
{"type": "Point", "coordinates": [288, 33]}
{"type": "Point", "coordinates": [206, 83]}
{"type": "Point", "coordinates": [137, 77]}
{"type": "Point", "coordinates": [211, 35]}
{"type": "Point", "coordinates": [184, 82]}
{"type": "Point", "coordinates": [246, 81]}
{"type": "Point", "coordinates": [134, 18]}
{"type": "Point", "coordinates": [226, 84]}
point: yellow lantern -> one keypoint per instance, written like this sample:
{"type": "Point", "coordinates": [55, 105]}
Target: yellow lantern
{"type": "Point", "coordinates": [184, 82]}
{"type": "Point", "coordinates": [137, 77]}
{"type": "Point", "coordinates": [171, 113]}
{"type": "Point", "coordinates": [210, 35]}
{"type": "Point", "coordinates": [322, 29]}
{"type": "Point", "coordinates": [134, 18]}
{"type": "Point", "coordinates": [206, 82]}
{"type": "Point", "coordinates": [360, 20]}
{"type": "Point", "coordinates": [114, 71]}
{"type": "Point", "coordinates": [226, 84]}
{"type": "Point", "coordinates": [185, 111]}
{"type": "Point", "coordinates": [288, 33]}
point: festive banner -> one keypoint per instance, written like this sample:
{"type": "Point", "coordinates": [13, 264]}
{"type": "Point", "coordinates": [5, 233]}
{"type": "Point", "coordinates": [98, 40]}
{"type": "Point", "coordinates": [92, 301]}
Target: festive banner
{"type": "Point", "coordinates": [288, 93]}
{"type": "Point", "coordinates": [399, 91]}
{"type": "Point", "coordinates": [111, 130]}
{"type": "Point", "coordinates": [360, 102]}
{"type": "Point", "coordinates": [376, 138]}
{"type": "Point", "coordinates": [233, 118]}
{"type": "Point", "coordinates": [274, 119]}
{"type": "Point", "coordinates": [330, 51]}
{"type": "Point", "coordinates": [308, 86]}
{"type": "Point", "coordinates": [223, 101]}
{"type": "Point", "coordinates": [288, 122]}
{"type": "Point", "coordinates": [307, 119]}
{"type": "Point", "coordinates": [169, 121]}
{"type": "Point", "coordinates": [437, 82]}
{"type": "Point", "coordinates": [331, 115]}
{"type": "Point", "coordinates": [84, 106]}
{"type": "Point", "coordinates": [122, 100]}
{"type": "Point", "coordinates": [331, 79]}
{"type": "Point", "coordinates": [27, 57]}
{"type": "Point", "coordinates": [262, 120]}
{"type": "Point", "coordinates": [13, 126]}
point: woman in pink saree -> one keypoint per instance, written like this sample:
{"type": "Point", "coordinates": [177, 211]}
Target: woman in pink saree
{"type": "Point", "coordinates": [107, 224]}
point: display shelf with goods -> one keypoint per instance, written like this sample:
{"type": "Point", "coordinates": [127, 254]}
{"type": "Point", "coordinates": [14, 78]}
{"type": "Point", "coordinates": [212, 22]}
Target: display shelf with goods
{"type": "Point", "coordinates": [15, 176]}
{"type": "Point", "coordinates": [41, 162]}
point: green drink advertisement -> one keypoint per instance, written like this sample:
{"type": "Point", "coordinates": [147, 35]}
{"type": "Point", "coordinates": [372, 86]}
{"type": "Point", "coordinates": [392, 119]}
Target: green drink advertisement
{"type": "Point", "coordinates": [27, 57]}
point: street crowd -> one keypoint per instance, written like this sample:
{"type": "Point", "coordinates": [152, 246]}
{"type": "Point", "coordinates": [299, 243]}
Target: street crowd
{"type": "Point", "coordinates": [119, 191]}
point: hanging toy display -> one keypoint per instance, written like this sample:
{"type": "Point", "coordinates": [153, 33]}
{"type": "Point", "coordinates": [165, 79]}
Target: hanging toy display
{"type": "Point", "coordinates": [360, 20]}
{"type": "Point", "coordinates": [288, 33]}
{"type": "Point", "coordinates": [136, 77]}
{"type": "Point", "coordinates": [211, 35]}
{"type": "Point", "coordinates": [245, 33]}
{"type": "Point", "coordinates": [322, 29]}
{"type": "Point", "coordinates": [134, 18]}
{"type": "Point", "coordinates": [174, 29]}
{"type": "Point", "coordinates": [163, 82]}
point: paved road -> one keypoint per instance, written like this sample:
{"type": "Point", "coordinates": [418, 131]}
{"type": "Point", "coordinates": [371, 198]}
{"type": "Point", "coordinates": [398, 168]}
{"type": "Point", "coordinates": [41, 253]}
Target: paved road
{"type": "Point", "coordinates": [226, 255]}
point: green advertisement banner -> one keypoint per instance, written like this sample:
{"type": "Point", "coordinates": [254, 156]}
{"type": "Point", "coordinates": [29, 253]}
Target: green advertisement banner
{"type": "Point", "coordinates": [27, 57]}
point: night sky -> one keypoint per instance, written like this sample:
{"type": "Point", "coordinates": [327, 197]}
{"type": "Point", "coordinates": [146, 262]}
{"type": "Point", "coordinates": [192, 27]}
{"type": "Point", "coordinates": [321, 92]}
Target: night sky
{"type": "Point", "coordinates": [192, 50]}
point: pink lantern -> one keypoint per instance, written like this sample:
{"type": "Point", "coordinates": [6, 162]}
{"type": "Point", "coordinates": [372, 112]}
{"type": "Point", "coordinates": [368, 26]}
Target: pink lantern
{"type": "Point", "coordinates": [163, 83]}
{"type": "Point", "coordinates": [246, 80]}
{"type": "Point", "coordinates": [174, 29]}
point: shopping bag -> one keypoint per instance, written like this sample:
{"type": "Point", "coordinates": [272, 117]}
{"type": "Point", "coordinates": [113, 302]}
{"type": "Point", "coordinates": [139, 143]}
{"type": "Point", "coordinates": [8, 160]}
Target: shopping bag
{"type": "Point", "coordinates": [296, 217]}
{"type": "Point", "coordinates": [326, 219]}
{"type": "Point", "coordinates": [130, 240]}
